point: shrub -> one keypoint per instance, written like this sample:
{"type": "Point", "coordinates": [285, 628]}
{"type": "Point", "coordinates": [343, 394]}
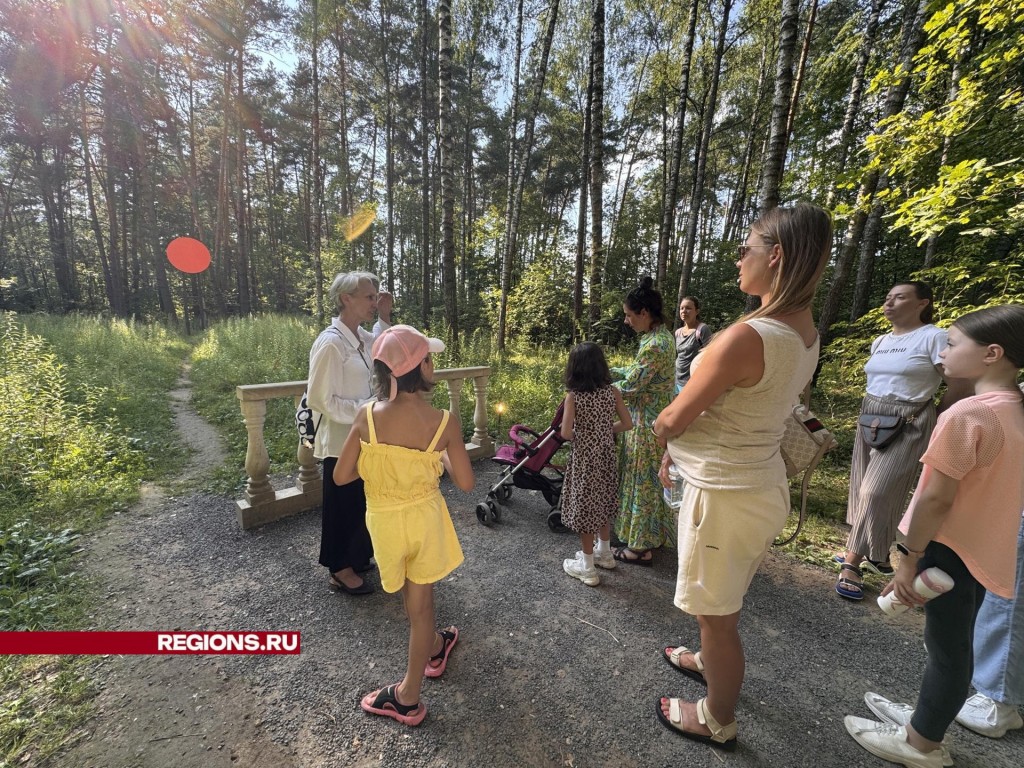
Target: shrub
{"type": "Point", "coordinates": [59, 459]}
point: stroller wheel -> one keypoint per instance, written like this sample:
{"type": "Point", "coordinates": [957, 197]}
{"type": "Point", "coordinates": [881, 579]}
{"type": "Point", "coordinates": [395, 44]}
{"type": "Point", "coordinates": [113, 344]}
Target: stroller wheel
{"type": "Point", "coordinates": [555, 521]}
{"type": "Point", "coordinates": [495, 511]}
{"type": "Point", "coordinates": [504, 493]}
{"type": "Point", "coordinates": [483, 513]}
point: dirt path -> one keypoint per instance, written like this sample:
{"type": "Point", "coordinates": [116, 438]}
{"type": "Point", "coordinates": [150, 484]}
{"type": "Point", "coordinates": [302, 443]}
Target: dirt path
{"type": "Point", "coordinates": [547, 672]}
{"type": "Point", "coordinates": [164, 710]}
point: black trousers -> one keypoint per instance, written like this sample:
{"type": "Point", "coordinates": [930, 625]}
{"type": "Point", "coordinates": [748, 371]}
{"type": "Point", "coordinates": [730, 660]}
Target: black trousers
{"type": "Point", "coordinates": [344, 540]}
{"type": "Point", "coordinates": [949, 637]}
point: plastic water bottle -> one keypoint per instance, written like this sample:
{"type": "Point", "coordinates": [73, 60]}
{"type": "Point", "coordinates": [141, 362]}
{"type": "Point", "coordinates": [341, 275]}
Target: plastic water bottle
{"type": "Point", "coordinates": [674, 494]}
{"type": "Point", "coordinates": [931, 582]}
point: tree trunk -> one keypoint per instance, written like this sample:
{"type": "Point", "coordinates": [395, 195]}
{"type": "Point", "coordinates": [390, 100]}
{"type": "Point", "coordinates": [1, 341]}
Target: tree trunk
{"type": "Point", "coordinates": [347, 205]}
{"type": "Point", "coordinates": [424, 119]}
{"type": "Point", "coordinates": [932, 246]}
{"type": "Point", "coordinates": [737, 209]}
{"type": "Point", "coordinates": [242, 260]}
{"type": "Point", "coordinates": [111, 269]}
{"type": "Point", "coordinates": [317, 192]}
{"type": "Point", "coordinates": [596, 161]}
{"type": "Point", "coordinates": [801, 69]}
{"type": "Point", "coordinates": [671, 194]}
{"type": "Point", "coordinates": [510, 182]}
{"type": "Point", "coordinates": [631, 140]}
{"type": "Point", "coordinates": [581, 218]}
{"type": "Point", "coordinates": [710, 107]}
{"type": "Point", "coordinates": [448, 280]}
{"type": "Point", "coordinates": [775, 158]}
{"type": "Point", "coordinates": [853, 102]}
{"type": "Point", "coordinates": [913, 38]}
{"type": "Point", "coordinates": [871, 183]}
{"type": "Point", "coordinates": [523, 162]}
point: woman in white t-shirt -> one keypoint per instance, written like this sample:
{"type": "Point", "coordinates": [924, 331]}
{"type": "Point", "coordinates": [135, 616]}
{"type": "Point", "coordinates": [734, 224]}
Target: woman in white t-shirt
{"type": "Point", "coordinates": [904, 372]}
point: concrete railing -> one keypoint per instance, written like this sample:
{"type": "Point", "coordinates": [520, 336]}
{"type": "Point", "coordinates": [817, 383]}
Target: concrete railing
{"type": "Point", "coordinates": [262, 504]}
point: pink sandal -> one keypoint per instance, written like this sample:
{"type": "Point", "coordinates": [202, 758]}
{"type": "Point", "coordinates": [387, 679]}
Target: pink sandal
{"type": "Point", "coordinates": [437, 664]}
{"type": "Point", "coordinates": [385, 702]}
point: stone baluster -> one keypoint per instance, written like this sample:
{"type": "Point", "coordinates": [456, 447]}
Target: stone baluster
{"type": "Point", "coordinates": [257, 461]}
{"type": "Point", "coordinates": [454, 395]}
{"type": "Point", "coordinates": [480, 436]}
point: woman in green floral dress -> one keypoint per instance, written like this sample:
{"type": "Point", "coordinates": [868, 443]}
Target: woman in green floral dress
{"type": "Point", "coordinates": [645, 521]}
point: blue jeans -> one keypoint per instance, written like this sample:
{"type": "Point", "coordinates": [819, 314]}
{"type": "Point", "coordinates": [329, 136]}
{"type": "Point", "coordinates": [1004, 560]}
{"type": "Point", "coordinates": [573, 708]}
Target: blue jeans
{"type": "Point", "coordinates": [999, 642]}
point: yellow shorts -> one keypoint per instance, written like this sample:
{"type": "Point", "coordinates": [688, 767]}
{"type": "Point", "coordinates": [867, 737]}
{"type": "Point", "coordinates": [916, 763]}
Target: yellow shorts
{"type": "Point", "coordinates": [723, 537]}
{"type": "Point", "coordinates": [413, 541]}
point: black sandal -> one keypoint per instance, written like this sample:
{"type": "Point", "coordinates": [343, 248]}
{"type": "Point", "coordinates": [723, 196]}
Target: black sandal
{"type": "Point", "coordinates": [385, 702]}
{"type": "Point", "coordinates": [639, 559]}
{"type": "Point", "coordinates": [437, 663]}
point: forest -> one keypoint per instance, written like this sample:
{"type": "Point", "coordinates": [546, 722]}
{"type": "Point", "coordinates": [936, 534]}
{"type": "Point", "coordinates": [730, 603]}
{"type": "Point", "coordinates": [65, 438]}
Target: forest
{"type": "Point", "coordinates": [518, 163]}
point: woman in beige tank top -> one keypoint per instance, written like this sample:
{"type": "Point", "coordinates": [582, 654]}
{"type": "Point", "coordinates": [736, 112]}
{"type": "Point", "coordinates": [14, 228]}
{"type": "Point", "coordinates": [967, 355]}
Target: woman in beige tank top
{"type": "Point", "coordinates": [723, 432]}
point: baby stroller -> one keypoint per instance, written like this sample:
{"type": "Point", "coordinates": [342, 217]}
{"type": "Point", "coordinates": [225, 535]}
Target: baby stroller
{"type": "Point", "coordinates": [528, 465]}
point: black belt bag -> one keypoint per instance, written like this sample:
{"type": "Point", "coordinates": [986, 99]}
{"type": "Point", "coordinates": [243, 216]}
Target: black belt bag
{"type": "Point", "coordinates": [879, 431]}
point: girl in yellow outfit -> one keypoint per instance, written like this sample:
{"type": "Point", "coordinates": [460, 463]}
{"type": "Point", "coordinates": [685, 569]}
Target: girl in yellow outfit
{"type": "Point", "coordinates": [400, 446]}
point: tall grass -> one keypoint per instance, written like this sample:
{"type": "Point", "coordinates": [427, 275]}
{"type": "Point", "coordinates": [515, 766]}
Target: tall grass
{"type": "Point", "coordinates": [257, 350]}
{"type": "Point", "coordinates": [84, 417]}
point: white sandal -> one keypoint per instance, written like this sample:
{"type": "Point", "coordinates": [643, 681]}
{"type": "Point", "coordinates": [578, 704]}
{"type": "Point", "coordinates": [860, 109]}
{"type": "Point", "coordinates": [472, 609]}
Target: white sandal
{"type": "Point", "coordinates": [674, 659]}
{"type": "Point", "coordinates": [722, 736]}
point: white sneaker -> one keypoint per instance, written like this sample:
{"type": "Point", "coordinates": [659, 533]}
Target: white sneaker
{"type": "Point", "coordinates": [889, 742]}
{"type": "Point", "coordinates": [900, 714]}
{"type": "Point", "coordinates": [604, 560]}
{"type": "Point", "coordinates": [989, 717]}
{"type": "Point", "coordinates": [578, 570]}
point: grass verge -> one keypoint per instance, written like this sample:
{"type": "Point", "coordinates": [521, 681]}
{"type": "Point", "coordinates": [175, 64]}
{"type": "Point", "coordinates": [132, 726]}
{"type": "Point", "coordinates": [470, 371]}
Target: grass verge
{"type": "Point", "coordinates": [84, 418]}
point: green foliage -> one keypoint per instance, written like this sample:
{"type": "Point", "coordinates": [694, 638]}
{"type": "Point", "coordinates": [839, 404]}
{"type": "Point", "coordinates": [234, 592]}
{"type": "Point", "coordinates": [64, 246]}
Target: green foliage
{"type": "Point", "coordinates": [61, 458]}
{"type": "Point", "coordinates": [256, 350]}
{"type": "Point", "coordinates": [969, 82]}
{"type": "Point", "coordinates": [540, 307]}
{"type": "Point", "coordinates": [125, 369]}
{"type": "Point", "coordinates": [43, 699]}
{"type": "Point", "coordinates": [83, 419]}
{"type": "Point", "coordinates": [33, 575]}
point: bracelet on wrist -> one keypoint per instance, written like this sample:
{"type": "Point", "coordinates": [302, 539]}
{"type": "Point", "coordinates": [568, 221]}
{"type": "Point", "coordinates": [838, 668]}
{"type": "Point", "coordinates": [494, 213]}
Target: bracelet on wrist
{"type": "Point", "coordinates": [655, 433]}
{"type": "Point", "coordinates": [905, 550]}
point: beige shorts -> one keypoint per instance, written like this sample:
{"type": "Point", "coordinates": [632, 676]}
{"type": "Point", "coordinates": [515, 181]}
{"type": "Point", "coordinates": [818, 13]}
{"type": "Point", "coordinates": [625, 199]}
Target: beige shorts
{"type": "Point", "coordinates": [723, 537]}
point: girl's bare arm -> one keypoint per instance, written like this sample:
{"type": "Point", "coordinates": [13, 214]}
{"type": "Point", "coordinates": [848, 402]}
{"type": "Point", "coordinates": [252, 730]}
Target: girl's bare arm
{"type": "Point", "coordinates": [455, 458]}
{"type": "Point", "coordinates": [934, 498]}
{"type": "Point", "coordinates": [345, 470]}
{"type": "Point", "coordinates": [625, 421]}
{"type": "Point", "coordinates": [569, 417]}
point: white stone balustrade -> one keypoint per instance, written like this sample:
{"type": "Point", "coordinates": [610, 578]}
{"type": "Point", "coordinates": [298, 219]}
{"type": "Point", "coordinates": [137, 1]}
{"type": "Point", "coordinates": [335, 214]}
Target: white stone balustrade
{"type": "Point", "coordinates": [262, 504]}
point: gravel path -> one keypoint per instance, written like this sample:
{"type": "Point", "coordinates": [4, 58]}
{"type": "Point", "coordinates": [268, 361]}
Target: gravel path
{"type": "Point", "coordinates": [547, 672]}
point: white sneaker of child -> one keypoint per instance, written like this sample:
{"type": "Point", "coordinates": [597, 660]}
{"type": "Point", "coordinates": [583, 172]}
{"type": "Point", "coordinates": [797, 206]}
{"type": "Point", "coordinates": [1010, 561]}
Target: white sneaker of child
{"type": "Point", "coordinates": [604, 559]}
{"type": "Point", "coordinates": [578, 570]}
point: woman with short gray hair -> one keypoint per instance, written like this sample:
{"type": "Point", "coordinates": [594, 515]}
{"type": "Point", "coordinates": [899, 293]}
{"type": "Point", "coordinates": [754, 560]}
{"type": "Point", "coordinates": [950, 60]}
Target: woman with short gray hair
{"type": "Point", "coordinates": [339, 385]}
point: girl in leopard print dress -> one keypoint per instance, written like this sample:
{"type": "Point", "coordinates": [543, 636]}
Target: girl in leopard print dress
{"type": "Point", "coordinates": [594, 413]}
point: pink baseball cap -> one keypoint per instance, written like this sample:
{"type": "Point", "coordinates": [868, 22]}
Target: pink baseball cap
{"type": "Point", "coordinates": [402, 348]}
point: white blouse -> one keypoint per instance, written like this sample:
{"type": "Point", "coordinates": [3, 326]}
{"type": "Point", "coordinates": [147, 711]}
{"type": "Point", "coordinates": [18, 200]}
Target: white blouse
{"type": "Point", "coordinates": [339, 384]}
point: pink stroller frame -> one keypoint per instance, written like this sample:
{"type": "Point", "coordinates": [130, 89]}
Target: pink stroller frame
{"type": "Point", "coordinates": [528, 465]}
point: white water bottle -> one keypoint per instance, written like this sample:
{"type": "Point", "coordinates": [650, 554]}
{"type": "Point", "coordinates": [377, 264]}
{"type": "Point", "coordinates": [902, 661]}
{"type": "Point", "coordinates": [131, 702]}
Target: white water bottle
{"type": "Point", "coordinates": [931, 582]}
{"type": "Point", "coordinates": [674, 494]}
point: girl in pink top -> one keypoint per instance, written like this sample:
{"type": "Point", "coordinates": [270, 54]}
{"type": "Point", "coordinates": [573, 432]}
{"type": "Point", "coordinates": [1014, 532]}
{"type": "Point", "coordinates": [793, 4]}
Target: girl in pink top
{"type": "Point", "coordinates": [963, 519]}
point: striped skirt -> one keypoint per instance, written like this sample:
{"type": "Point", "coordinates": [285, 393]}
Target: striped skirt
{"type": "Point", "coordinates": [881, 480]}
